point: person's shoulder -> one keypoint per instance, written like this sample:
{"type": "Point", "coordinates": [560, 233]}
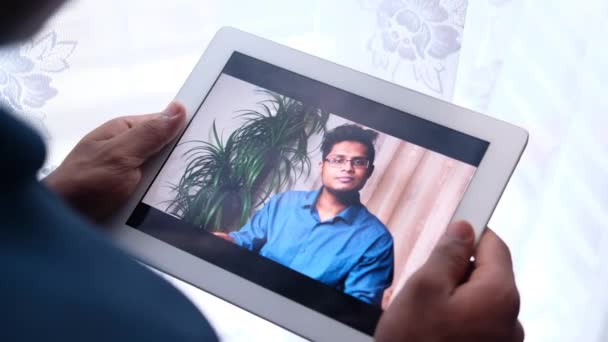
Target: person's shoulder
{"type": "Point", "coordinates": [291, 198]}
{"type": "Point", "coordinates": [291, 193]}
{"type": "Point", "coordinates": [294, 196]}
{"type": "Point", "coordinates": [375, 226]}
{"type": "Point", "coordinates": [369, 218]}
{"type": "Point", "coordinates": [22, 150]}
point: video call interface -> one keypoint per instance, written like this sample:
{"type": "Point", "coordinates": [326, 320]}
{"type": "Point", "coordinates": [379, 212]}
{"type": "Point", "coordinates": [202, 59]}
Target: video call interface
{"type": "Point", "coordinates": [319, 195]}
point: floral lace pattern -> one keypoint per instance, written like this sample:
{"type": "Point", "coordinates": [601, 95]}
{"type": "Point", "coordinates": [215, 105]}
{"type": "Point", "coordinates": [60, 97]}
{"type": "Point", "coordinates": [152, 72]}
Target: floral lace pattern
{"type": "Point", "coordinates": [420, 34]}
{"type": "Point", "coordinates": [25, 75]}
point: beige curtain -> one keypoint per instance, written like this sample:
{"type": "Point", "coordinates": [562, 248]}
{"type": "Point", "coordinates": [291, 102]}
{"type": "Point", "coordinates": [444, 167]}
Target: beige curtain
{"type": "Point", "coordinates": [414, 192]}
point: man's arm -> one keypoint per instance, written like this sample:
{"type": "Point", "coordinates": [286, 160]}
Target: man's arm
{"type": "Point", "coordinates": [374, 272]}
{"type": "Point", "coordinates": [253, 234]}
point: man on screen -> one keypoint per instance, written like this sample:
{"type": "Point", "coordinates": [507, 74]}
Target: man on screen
{"type": "Point", "coordinates": [327, 234]}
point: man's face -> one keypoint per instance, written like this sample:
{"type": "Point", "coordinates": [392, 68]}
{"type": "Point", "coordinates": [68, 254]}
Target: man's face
{"type": "Point", "coordinates": [346, 168]}
{"type": "Point", "coordinates": [19, 19]}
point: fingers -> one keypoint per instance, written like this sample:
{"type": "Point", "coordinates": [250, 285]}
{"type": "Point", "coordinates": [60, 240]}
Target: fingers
{"type": "Point", "coordinates": [224, 236]}
{"type": "Point", "coordinates": [483, 310]}
{"type": "Point", "coordinates": [492, 248]}
{"type": "Point", "coordinates": [492, 281]}
{"type": "Point", "coordinates": [117, 126]}
{"type": "Point", "coordinates": [448, 264]}
{"type": "Point", "coordinates": [148, 134]}
{"type": "Point", "coordinates": [493, 259]}
{"type": "Point", "coordinates": [519, 334]}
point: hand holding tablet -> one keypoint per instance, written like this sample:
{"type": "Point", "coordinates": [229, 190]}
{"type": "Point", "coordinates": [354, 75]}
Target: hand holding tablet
{"type": "Point", "coordinates": [308, 193]}
{"type": "Point", "coordinates": [102, 171]}
{"type": "Point", "coordinates": [449, 299]}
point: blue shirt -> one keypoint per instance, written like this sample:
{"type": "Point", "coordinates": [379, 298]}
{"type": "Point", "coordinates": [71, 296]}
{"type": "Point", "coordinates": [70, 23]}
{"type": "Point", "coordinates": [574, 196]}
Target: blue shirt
{"type": "Point", "coordinates": [353, 252]}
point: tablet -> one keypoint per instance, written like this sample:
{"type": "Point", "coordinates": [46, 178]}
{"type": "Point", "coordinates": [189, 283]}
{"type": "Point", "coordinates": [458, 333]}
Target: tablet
{"type": "Point", "coordinates": [306, 192]}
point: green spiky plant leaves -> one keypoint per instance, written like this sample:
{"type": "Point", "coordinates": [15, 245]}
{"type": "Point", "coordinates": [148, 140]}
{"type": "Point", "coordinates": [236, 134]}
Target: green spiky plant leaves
{"type": "Point", "coordinates": [226, 180]}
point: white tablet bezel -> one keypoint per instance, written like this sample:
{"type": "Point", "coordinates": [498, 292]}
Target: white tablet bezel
{"type": "Point", "coordinates": [506, 144]}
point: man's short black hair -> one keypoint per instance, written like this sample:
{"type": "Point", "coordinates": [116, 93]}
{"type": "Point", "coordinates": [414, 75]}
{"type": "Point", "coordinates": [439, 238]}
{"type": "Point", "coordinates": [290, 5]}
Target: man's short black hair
{"type": "Point", "coordinates": [350, 132]}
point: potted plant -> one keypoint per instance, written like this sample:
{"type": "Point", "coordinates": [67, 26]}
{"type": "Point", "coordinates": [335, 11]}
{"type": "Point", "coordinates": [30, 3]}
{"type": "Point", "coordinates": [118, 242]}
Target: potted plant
{"type": "Point", "coordinates": [224, 181]}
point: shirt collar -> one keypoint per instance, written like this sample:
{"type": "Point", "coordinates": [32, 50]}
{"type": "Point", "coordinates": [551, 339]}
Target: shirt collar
{"type": "Point", "coordinates": [348, 215]}
{"type": "Point", "coordinates": [311, 199]}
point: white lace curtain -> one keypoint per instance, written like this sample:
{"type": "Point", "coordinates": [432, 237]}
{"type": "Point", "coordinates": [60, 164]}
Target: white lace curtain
{"type": "Point", "coordinates": [540, 64]}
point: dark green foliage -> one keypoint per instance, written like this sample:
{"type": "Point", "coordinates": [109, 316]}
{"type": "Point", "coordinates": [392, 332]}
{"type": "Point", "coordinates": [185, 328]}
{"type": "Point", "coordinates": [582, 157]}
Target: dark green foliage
{"type": "Point", "coordinates": [225, 181]}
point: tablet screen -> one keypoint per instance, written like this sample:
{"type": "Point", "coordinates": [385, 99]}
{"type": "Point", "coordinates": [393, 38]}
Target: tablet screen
{"type": "Point", "coordinates": [322, 196]}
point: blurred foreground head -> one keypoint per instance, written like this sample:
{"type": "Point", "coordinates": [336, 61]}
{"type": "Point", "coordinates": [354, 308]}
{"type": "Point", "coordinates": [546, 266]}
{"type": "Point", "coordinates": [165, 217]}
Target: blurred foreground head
{"type": "Point", "coordinates": [20, 19]}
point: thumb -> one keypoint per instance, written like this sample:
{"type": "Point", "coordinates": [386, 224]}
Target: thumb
{"type": "Point", "coordinates": [448, 264]}
{"type": "Point", "coordinates": [152, 133]}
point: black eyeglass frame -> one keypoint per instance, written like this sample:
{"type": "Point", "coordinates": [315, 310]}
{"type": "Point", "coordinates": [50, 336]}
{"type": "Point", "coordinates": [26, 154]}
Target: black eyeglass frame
{"type": "Point", "coordinates": [338, 162]}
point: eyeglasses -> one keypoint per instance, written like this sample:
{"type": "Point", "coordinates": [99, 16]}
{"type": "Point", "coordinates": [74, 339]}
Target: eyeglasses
{"type": "Point", "coordinates": [357, 163]}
